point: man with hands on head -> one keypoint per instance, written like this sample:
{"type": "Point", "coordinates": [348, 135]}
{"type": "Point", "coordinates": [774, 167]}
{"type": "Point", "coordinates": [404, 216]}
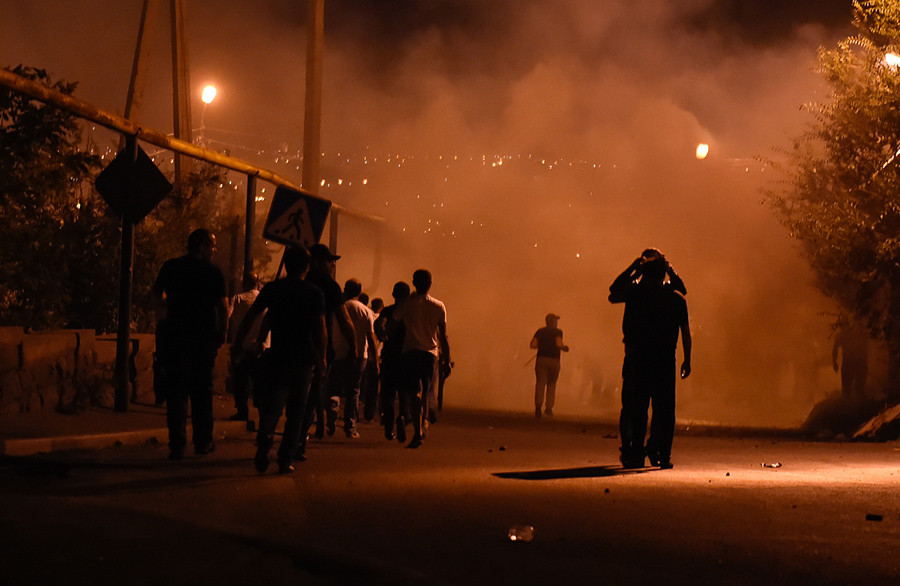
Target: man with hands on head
{"type": "Point", "coordinates": [655, 313]}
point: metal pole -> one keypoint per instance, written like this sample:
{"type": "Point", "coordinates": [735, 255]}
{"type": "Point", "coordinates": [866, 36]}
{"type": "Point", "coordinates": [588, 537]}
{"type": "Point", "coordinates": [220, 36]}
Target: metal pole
{"type": "Point", "coordinates": [126, 264]}
{"type": "Point", "coordinates": [312, 118]}
{"type": "Point", "coordinates": [249, 224]}
{"type": "Point", "coordinates": [181, 83]}
{"type": "Point", "coordinates": [135, 90]}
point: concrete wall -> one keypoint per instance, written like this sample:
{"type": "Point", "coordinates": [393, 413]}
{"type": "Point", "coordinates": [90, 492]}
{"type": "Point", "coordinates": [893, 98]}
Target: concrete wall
{"type": "Point", "coordinates": [68, 370]}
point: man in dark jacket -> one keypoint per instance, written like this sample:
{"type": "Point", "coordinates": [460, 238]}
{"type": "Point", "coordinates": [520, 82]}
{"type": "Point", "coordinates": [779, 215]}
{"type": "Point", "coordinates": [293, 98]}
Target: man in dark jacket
{"type": "Point", "coordinates": [655, 313]}
{"type": "Point", "coordinates": [192, 290]}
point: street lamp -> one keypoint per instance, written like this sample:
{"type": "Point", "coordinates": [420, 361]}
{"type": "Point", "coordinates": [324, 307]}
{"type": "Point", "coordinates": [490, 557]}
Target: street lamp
{"type": "Point", "coordinates": [208, 95]}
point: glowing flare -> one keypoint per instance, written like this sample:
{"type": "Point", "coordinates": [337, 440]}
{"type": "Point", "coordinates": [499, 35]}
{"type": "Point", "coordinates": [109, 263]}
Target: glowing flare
{"type": "Point", "coordinates": [702, 150]}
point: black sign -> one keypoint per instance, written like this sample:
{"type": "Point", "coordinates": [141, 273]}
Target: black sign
{"type": "Point", "coordinates": [132, 188]}
{"type": "Point", "coordinates": [296, 217]}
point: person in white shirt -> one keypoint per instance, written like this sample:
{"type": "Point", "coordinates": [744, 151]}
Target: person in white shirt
{"type": "Point", "coordinates": [346, 372]}
{"type": "Point", "coordinates": [425, 321]}
{"type": "Point", "coordinates": [243, 359]}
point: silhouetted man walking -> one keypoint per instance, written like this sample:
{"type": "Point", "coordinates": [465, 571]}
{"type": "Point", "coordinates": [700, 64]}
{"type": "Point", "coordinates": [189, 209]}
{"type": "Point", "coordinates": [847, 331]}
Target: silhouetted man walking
{"type": "Point", "coordinates": [295, 312]}
{"type": "Point", "coordinates": [655, 312]}
{"type": "Point", "coordinates": [193, 291]}
{"type": "Point", "coordinates": [424, 319]}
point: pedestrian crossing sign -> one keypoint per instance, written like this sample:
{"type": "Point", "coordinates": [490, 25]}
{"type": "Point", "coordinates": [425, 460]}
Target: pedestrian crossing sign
{"type": "Point", "coordinates": [296, 217]}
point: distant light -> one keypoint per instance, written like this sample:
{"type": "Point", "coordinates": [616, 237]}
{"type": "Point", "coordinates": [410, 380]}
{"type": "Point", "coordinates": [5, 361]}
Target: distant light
{"type": "Point", "coordinates": [892, 60]}
{"type": "Point", "coordinates": [702, 150]}
{"type": "Point", "coordinates": [209, 94]}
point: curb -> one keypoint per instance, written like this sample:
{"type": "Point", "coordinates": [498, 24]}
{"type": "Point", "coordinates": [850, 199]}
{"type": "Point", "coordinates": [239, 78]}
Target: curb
{"type": "Point", "coordinates": [41, 445]}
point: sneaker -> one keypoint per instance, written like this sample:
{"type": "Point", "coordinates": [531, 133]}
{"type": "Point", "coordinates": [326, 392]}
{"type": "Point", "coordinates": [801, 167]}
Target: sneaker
{"type": "Point", "coordinates": [330, 426]}
{"type": "Point", "coordinates": [432, 416]}
{"type": "Point", "coordinates": [285, 468]}
{"type": "Point", "coordinates": [388, 434]}
{"type": "Point", "coordinates": [352, 434]}
{"type": "Point", "coordinates": [401, 430]}
{"type": "Point", "coordinates": [414, 443]}
{"type": "Point", "coordinates": [548, 412]}
{"type": "Point", "coordinates": [666, 465]}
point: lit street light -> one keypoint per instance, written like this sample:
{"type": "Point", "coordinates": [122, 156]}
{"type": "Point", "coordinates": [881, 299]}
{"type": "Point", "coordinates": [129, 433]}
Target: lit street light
{"type": "Point", "coordinates": [208, 95]}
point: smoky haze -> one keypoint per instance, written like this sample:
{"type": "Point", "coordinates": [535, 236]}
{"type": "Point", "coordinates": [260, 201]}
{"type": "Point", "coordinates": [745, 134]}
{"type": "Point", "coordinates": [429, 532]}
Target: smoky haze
{"type": "Point", "coordinates": [526, 152]}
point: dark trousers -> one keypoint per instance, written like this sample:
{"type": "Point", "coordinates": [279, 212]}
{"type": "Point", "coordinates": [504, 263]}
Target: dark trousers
{"type": "Point", "coordinates": [390, 386]}
{"type": "Point", "coordinates": [240, 380]}
{"type": "Point", "coordinates": [344, 378]}
{"type": "Point", "coordinates": [192, 372]}
{"type": "Point", "coordinates": [418, 372]}
{"type": "Point", "coordinates": [288, 391]}
{"type": "Point", "coordinates": [315, 405]}
{"type": "Point", "coordinates": [646, 381]}
{"type": "Point", "coordinates": [369, 390]}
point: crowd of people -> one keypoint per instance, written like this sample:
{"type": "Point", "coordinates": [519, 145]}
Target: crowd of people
{"type": "Point", "coordinates": [302, 346]}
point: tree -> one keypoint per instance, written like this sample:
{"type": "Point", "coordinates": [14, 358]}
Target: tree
{"type": "Point", "coordinates": [59, 241]}
{"type": "Point", "coordinates": [841, 196]}
{"type": "Point", "coordinates": [52, 225]}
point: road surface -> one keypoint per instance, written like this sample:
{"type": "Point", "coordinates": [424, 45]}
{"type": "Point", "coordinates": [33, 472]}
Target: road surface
{"type": "Point", "coordinates": [369, 511]}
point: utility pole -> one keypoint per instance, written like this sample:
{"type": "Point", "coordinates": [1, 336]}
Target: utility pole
{"type": "Point", "coordinates": [181, 89]}
{"type": "Point", "coordinates": [312, 119]}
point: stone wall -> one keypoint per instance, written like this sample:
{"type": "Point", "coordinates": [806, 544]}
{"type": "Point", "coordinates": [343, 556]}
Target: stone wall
{"type": "Point", "coordinates": [68, 370]}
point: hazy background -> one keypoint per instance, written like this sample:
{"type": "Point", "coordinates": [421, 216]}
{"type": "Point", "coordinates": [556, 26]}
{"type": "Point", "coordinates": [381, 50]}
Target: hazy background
{"type": "Point", "coordinates": [525, 151]}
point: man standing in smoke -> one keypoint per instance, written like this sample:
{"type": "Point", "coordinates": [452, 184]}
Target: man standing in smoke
{"type": "Point", "coordinates": [655, 312]}
{"type": "Point", "coordinates": [548, 343]}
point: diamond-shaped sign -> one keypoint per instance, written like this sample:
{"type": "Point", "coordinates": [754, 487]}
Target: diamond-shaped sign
{"type": "Point", "coordinates": [132, 188]}
{"type": "Point", "coordinates": [296, 218]}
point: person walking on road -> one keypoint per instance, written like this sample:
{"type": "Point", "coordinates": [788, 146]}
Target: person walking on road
{"type": "Point", "coordinates": [655, 313]}
{"type": "Point", "coordinates": [323, 266]}
{"type": "Point", "coordinates": [350, 357]}
{"type": "Point", "coordinates": [295, 312]}
{"type": "Point", "coordinates": [390, 332]}
{"type": "Point", "coordinates": [424, 319]}
{"type": "Point", "coordinates": [192, 289]}
{"type": "Point", "coordinates": [548, 341]}
{"type": "Point", "coordinates": [242, 362]}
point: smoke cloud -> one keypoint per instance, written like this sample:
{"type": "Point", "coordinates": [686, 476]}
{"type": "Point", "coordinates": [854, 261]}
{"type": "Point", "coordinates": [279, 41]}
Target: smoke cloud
{"type": "Point", "coordinates": [525, 152]}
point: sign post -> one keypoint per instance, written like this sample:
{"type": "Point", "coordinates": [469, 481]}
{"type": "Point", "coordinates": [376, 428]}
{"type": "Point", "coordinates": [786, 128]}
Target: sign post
{"type": "Point", "coordinates": [132, 186]}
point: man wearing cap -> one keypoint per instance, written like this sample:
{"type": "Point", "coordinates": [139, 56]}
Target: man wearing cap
{"type": "Point", "coordinates": [322, 269]}
{"type": "Point", "coordinates": [655, 313]}
{"type": "Point", "coordinates": [548, 341]}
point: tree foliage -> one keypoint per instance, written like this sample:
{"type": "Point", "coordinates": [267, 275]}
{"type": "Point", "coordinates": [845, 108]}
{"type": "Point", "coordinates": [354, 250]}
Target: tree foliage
{"type": "Point", "coordinates": [51, 224]}
{"type": "Point", "coordinates": [59, 241]}
{"type": "Point", "coordinates": [841, 193]}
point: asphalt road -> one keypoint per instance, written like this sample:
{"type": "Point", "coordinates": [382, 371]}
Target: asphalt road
{"type": "Point", "coordinates": [369, 511]}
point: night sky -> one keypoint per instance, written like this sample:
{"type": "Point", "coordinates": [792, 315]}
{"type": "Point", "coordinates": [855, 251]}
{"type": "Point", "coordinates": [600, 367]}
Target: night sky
{"type": "Point", "coordinates": [526, 151]}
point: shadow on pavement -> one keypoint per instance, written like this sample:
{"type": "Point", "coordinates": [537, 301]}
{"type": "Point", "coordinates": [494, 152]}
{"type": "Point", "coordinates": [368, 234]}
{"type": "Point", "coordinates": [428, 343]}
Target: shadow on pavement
{"type": "Point", "coordinates": [583, 472]}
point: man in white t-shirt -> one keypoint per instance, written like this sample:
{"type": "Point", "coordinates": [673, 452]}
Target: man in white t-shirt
{"type": "Point", "coordinates": [243, 361]}
{"type": "Point", "coordinates": [424, 319]}
{"type": "Point", "coordinates": [347, 368]}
